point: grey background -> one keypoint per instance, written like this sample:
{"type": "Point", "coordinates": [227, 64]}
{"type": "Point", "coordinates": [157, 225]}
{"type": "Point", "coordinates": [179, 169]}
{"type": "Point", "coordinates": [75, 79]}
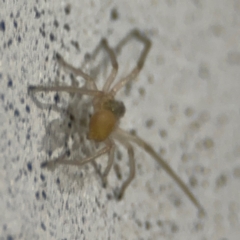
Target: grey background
{"type": "Point", "coordinates": [185, 103]}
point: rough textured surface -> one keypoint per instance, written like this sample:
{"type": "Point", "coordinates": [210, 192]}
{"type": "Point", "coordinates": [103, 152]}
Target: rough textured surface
{"type": "Point", "coordinates": [184, 103]}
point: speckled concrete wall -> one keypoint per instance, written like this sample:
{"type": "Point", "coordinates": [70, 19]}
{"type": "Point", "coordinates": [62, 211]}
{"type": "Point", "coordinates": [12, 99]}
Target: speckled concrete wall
{"type": "Point", "coordinates": [185, 103]}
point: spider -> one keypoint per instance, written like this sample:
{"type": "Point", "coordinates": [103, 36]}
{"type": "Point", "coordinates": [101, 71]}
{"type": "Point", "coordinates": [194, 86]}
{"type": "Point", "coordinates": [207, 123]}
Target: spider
{"type": "Point", "coordinates": [104, 123]}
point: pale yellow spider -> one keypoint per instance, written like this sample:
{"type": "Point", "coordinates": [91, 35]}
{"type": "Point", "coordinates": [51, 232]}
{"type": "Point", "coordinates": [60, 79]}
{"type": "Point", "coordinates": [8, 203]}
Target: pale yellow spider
{"type": "Point", "coordinates": [104, 123]}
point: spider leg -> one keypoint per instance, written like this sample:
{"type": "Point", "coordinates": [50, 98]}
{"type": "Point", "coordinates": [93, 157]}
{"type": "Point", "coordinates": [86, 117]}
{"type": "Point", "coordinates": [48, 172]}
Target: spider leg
{"type": "Point", "coordinates": [62, 158]}
{"type": "Point", "coordinates": [126, 183]}
{"type": "Point", "coordinates": [53, 163]}
{"type": "Point", "coordinates": [54, 107]}
{"type": "Point", "coordinates": [47, 106]}
{"type": "Point", "coordinates": [109, 165]}
{"type": "Point", "coordinates": [68, 89]}
{"type": "Point", "coordinates": [74, 83]}
{"type": "Point", "coordinates": [103, 45]}
{"type": "Point", "coordinates": [142, 144]}
{"type": "Point", "coordinates": [133, 74]}
{"type": "Point", "coordinates": [131, 172]}
{"type": "Point", "coordinates": [104, 175]}
{"type": "Point", "coordinates": [77, 71]}
{"type": "Point", "coordinates": [113, 59]}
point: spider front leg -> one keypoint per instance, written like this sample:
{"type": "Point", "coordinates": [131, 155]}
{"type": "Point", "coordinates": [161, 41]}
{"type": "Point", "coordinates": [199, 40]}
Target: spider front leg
{"type": "Point", "coordinates": [33, 89]}
{"type": "Point", "coordinates": [62, 159]}
{"type": "Point", "coordinates": [140, 63]}
{"type": "Point", "coordinates": [114, 63]}
{"type": "Point", "coordinates": [68, 89]}
{"type": "Point", "coordinates": [41, 105]}
{"type": "Point", "coordinates": [76, 71]}
{"type": "Point", "coordinates": [103, 45]}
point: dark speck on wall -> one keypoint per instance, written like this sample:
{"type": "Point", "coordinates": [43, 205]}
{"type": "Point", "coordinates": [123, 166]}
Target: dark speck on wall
{"type": "Point", "coordinates": [42, 177]}
{"type": "Point", "coordinates": [15, 23]}
{"type": "Point", "coordinates": [52, 37]}
{"type": "Point", "coordinates": [42, 32]}
{"type": "Point", "coordinates": [44, 195]}
{"type": "Point", "coordinates": [27, 109]}
{"type": "Point", "coordinates": [9, 237]}
{"type": "Point", "coordinates": [56, 98]}
{"type": "Point", "coordinates": [66, 27]}
{"type": "Point", "coordinates": [9, 42]}
{"type": "Point", "coordinates": [75, 44]}
{"type": "Point", "coordinates": [16, 113]}
{"type": "Point", "coordinates": [58, 181]}
{"type": "Point", "coordinates": [28, 136]}
{"type": "Point", "coordinates": [2, 26]}
{"type": "Point", "coordinates": [10, 106]}
{"type": "Point", "coordinates": [47, 46]}
{"type": "Point", "coordinates": [43, 226]}
{"type": "Point", "coordinates": [29, 166]}
{"type": "Point", "coordinates": [67, 9]}
{"type": "Point", "coordinates": [55, 23]}
{"type": "Point", "coordinates": [37, 13]}
{"type": "Point", "coordinates": [10, 83]}
{"type": "Point", "coordinates": [37, 195]}
{"type": "Point", "coordinates": [114, 14]}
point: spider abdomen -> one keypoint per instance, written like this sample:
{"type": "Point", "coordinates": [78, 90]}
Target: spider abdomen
{"type": "Point", "coordinates": [101, 125]}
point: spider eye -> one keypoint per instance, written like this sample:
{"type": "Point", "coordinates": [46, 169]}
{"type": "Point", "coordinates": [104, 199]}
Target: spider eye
{"type": "Point", "coordinates": [116, 107]}
{"type": "Point", "coordinates": [101, 125]}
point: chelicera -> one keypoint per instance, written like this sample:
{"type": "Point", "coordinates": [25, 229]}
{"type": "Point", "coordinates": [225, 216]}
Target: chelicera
{"type": "Point", "coordinates": [104, 123]}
